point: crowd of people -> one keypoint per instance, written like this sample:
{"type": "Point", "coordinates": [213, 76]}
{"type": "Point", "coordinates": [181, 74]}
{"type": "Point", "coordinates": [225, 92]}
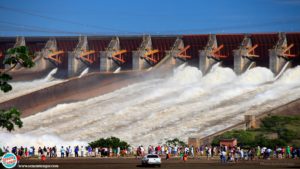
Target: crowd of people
{"type": "Point", "coordinates": [225, 153]}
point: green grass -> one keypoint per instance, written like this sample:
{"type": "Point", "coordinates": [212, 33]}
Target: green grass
{"type": "Point", "coordinates": [287, 128]}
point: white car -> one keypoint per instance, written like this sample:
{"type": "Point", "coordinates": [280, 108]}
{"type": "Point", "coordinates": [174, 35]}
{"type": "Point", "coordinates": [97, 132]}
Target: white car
{"type": "Point", "coordinates": [151, 159]}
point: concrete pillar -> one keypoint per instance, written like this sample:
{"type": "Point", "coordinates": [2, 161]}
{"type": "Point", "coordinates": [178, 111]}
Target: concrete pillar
{"type": "Point", "coordinates": [20, 41]}
{"type": "Point", "coordinates": [75, 64]}
{"type": "Point", "coordinates": [193, 142]}
{"type": "Point", "coordinates": [241, 63]}
{"type": "Point", "coordinates": [250, 121]}
{"type": "Point", "coordinates": [138, 62]}
{"type": "Point", "coordinates": [244, 56]}
{"type": "Point", "coordinates": [107, 64]}
{"type": "Point", "coordinates": [207, 57]}
{"type": "Point", "coordinates": [277, 57]}
{"type": "Point", "coordinates": [42, 62]}
{"type": "Point", "coordinates": [206, 62]}
{"type": "Point", "coordinates": [276, 62]}
{"type": "Point", "coordinates": [175, 60]}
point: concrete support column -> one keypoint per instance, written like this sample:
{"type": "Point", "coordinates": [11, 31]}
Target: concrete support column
{"type": "Point", "coordinates": [276, 63]}
{"type": "Point", "coordinates": [138, 62]}
{"type": "Point", "coordinates": [107, 64]}
{"type": "Point", "coordinates": [205, 62]}
{"type": "Point", "coordinates": [241, 63]}
{"type": "Point", "coordinates": [75, 64]}
{"type": "Point", "coordinates": [250, 121]}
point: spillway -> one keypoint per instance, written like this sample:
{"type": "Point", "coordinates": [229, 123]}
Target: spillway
{"type": "Point", "coordinates": [128, 97]}
{"type": "Point", "coordinates": [22, 88]}
{"type": "Point", "coordinates": [183, 105]}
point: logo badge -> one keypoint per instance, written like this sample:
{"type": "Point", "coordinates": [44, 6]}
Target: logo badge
{"type": "Point", "coordinates": [9, 160]}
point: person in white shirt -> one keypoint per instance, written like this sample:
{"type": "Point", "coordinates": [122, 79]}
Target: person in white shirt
{"type": "Point", "coordinates": [142, 150]}
{"type": "Point", "coordinates": [70, 151]}
{"type": "Point", "coordinates": [175, 151]}
{"type": "Point", "coordinates": [82, 151]}
{"type": "Point", "coordinates": [118, 151]}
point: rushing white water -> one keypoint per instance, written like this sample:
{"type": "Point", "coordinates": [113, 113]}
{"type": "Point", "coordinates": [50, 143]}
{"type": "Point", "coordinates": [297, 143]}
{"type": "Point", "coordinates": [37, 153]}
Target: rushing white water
{"type": "Point", "coordinates": [36, 141]}
{"type": "Point", "coordinates": [282, 70]}
{"type": "Point", "coordinates": [117, 70]}
{"type": "Point", "coordinates": [250, 66]}
{"type": "Point", "coordinates": [22, 88]}
{"type": "Point", "coordinates": [183, 105]}
{"type": "Point", "coordinates": [150, 68]}
{"type": "Point", "coordinates": [84, 72]}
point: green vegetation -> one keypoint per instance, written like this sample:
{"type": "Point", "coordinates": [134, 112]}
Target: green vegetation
{"type": "Point", "coordinates": [17, 56]}
{"type": "Point", "coordinates": [175, 142]}
{"type": "Point", "coordinates": [285, 127]}
{"type": "Point", "coordinates": [1, 152]}
{"type": "Point", "coordinates": [112, 142]}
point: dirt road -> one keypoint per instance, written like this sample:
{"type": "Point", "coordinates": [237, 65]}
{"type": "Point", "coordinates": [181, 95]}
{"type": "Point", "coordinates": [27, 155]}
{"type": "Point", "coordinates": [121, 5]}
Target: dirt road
{"type": "Point", "coordinates": [107, 163]}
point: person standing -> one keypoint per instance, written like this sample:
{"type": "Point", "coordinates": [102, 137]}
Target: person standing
{"type": "Point", "coordinates": [62, 152]}
{"type": "Point", "coordinates": [167, 154]}
{"type": "Point", "coordinates": [192, 151]}
{"type": "Point", "coordinates": [90, 151]}
{"type": "Point", "coordinates": [70, 151]}
{"type": "Point", "coordinates": [30, 151]}
{"type": "Point", "coordinates": [223, 156]}
{"type": "Point", "coordinates": [67, 151]}
{"type": "Point", "coordinates": [82, 151]}
{"type": "Point", "coordinates": [76, 151]}
{"type": "Point", "coordinates": [118, 151]}
{"type": "Point", "coordinates": [175, 150]}
{"type": "Point", "coordinates": [288, 152]}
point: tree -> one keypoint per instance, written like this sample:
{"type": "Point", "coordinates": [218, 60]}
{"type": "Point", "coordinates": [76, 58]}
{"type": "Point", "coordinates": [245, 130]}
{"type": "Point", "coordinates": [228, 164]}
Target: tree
{"type": "Point", "coordinates": [176, 142]}
{"type": "Point", "coordinates": [112, 142]}
{"type": "Point", "coordinates": [16, 56]}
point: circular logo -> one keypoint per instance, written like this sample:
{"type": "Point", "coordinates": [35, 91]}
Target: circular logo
{"type": "Point", "coordinates": [9, 160]}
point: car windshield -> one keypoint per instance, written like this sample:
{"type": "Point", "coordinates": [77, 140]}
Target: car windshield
{"type": "Point", "coordinates": [152, 156]}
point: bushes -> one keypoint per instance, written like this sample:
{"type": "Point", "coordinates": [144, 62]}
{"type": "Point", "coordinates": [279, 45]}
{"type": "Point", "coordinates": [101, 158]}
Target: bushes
{"type": "Point", "coordinates": [1, 152]}
{"type": "Point", "coordinates": [286, 127]}
{"type": "Point", "coordinates": [244, 138]}
{"type": "Point", "coordinates": [113, 142]}
{"type": "Point", "coordinates": [175, 142]}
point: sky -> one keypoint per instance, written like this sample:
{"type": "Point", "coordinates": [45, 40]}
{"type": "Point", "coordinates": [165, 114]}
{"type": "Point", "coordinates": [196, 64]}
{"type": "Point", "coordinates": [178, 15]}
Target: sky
{"type": "Point", "coordinates": [138, 17]}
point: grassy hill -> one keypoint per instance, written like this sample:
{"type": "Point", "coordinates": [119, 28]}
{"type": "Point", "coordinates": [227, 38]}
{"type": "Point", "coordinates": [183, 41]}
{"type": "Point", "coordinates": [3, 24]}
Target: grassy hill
{"type": "Point", "coordinates": [274, 131]}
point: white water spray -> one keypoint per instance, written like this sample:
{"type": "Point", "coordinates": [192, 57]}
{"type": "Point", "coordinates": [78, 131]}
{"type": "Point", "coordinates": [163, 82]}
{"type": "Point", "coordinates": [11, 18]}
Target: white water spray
{"type": "Point", "coordinates": [117, 70]}
{"type": "Point", "coordinates": [184, 105]}
{"type": "Point", "coordinates": [84, 72]}
{"type": "Point", "coordinates": [250, 66]}
{"type": "Point", "coordinates": [282, 70]}
{"type": "Point", "coordinates": [22, 88]}
{"type": "Point", "coordinates": [49, 77]}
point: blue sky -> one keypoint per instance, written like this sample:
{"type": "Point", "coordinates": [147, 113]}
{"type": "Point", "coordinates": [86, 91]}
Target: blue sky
{"type": "Point", "coordinates": [126, 17]}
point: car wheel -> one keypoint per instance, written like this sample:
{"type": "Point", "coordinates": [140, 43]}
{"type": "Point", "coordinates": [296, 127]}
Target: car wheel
{"type": "Point", "coordinates": [159, 165]}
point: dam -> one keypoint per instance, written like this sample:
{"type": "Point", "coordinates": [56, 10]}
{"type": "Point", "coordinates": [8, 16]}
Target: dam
{"type": "Point", "coordinates": [165, 87]}
{"type": "Point", "coordinates": [71, 55]}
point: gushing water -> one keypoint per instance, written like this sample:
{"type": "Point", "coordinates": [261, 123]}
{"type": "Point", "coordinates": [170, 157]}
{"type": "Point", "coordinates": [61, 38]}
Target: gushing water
{"type": "Point", "coordinates": [186, 104]}
{"type": "Point", "coordinates": [282, 70]}
{"type": "Point", "coordinates": [250, 66]}
{"type": "Point", "coordinates": [84, 72]}
{"type": "Point", "coordinates": [22, 88]}
{"type": "Point", "coordinates": [49, 77]}
{"type": "Point", "coordinates": [117, 70]}
{"type": "Point", "coordinates": [31, 140]}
